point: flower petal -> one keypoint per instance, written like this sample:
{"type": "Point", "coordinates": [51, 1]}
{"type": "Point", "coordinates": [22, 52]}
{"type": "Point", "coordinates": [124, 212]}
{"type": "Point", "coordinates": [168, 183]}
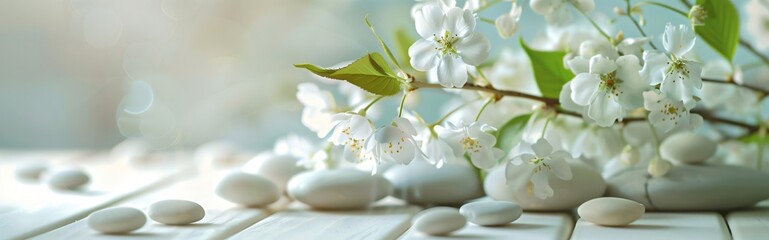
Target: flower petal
{"type": "Point", "coordinates": [542, 148]}
{"type": "Point", "coordinates": [558, 165]}
{"type": "Point", "coordinates": [678, 40]}
{"type": "Point", "coordinates": [600, 64]}
{"type": "Point", "coordinates": [452, 72]}
{"type": "Point", "coordinates": [654, 66]}
{"type": "Point", "coordinates": [605, 110]}
{"type": "Point", "coordinates": [430, 22]}
{"type": "Point", "coordinates": [459, 22]}
{"type": "Point", "coordinates": [423, 54]}
{"type": "Point", "coordinates": [541, 184]}
{"type": "Point", "coordinates": [583, 87]}
{"type": "Point", "coordinates": [474, 49]}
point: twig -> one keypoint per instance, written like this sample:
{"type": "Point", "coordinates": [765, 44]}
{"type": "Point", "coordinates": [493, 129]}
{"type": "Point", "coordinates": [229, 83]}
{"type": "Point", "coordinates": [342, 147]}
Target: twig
{"type": "Point", "coordinates": [553, 102]}
{"type": "Point", "coordinates": [754, 88]}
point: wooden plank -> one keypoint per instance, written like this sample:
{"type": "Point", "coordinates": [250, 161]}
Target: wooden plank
{"type": "Point", "coordinates": [386, 220]}
{"type": "Point", "coordinates": [222, 219]}
{"type": "Point", "coordinates": [661, 226]}
{"type": "Point", "coordinates": [750, 224]}
{"type": "Point", "coordinates": [534, 226]}
{"type": "Point", "coordinates": [31, 209]}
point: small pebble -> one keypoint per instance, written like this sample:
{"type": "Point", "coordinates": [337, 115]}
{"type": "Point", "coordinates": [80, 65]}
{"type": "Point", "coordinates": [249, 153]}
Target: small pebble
{"type": "Point", "coordinates": [31, 171]}
{"type": "Point", "coordinates": [117, 220]}
{"type": "Point", "coordinates": [688, 148]}
{"type": "Point", "coordinates": [276, 168]}
{"type": "Point", "coordinates": [247, 190]}
{"type": "Point", "coordinates": [338, 189]}
{"type": "Point", "coordinates": [491, 213]}
{"type": "Point", "coordinates": [611, 211]}
{"type": "Point", "coordinates": [67, 179]}
{"type": "Point", "coordinates": [438, 221]}
{"type": "Point", "coordinates": [176, 212]}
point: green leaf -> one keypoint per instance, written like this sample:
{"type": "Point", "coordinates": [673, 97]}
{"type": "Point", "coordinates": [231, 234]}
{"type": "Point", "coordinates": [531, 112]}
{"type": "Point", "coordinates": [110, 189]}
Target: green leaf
{"type": "Point", "coordinates": [722, 26]}
{"type": "Point", "coordinates": [549, 72]}
{"type": "Point", "coordinates": [510, 134]}
{"type": "Point", "coordinates": [403, 41]}
{"type": "Point", "coordinates": [371, 73]}
{"type": "Point", "coordinates": [381, 42]}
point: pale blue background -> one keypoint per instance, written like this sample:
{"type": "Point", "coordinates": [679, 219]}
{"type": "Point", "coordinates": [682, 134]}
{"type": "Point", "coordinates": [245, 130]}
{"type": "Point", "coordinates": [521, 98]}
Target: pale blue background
{"type": "Point", "coordinates": [56, 91]}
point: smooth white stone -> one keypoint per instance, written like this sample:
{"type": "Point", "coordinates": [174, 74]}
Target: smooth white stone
{"type": "Point", "coordinates": [438, 221]}
{"type": "Point", "coordinates": [423, 184]}
{"type": "Point", "coordinates": [176, 212]}
{"type": "Point", "coordinates": [338, 188]}
{"type": "Point", "coordinates": [688, 148]}
{"type": "Point", "coordinates": [491, 213]}
{"type": "Point", "coordinates": [277, 168]}
{"type": "Point", "coordinates": [117, 220]}
{"type": "Point", "coordinates": [586, 184]}
{"type": "Point", "coordinates": [692, 188]}
{"type": "Point", "coordinates": [611, 211]}
{"type": "Point", "coordinates": [67, 179]}
{"type": "Point", "coordinates": [247, 189]}
{"type": "Point", "coordinates": [30, 171]}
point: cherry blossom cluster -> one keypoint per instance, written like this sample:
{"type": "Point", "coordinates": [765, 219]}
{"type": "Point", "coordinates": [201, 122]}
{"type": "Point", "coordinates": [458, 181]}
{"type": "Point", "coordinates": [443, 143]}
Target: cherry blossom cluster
{"type": "Point", "coordinates": [626, 96]}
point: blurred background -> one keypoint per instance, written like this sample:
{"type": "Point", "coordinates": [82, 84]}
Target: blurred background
{"type": "Point", "coordinates": [180, 73]}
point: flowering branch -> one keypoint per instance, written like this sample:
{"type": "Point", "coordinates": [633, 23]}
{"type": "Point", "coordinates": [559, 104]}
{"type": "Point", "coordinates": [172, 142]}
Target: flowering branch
{"type": "Point", "coordinates": [552, 102]}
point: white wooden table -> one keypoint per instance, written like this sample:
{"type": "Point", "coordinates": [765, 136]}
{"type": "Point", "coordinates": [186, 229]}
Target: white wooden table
{"type": "Point", "coordinates": [30, 210]}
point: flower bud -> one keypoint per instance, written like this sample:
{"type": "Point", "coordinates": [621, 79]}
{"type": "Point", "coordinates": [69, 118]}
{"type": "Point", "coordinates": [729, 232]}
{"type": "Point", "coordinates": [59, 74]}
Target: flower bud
{"type": "Point", "coordinates": [619, 11]}
{"type": "Point", "coordinates": [629, 156]}
{"type": "Point", "coordinates": [698, 15]}
{"type": "Point", "coordinates": [507, 24]}
{"type": "Point", "coordinates": [659, 167]}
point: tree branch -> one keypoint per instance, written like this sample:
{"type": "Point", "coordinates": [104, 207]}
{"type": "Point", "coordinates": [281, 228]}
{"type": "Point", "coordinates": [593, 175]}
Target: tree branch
{"type": "Point", "coordinates": [731, 82]}
{"type": "Point", "coordinates": [553, 102]}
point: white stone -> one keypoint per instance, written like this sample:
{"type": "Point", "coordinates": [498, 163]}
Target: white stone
{"type": "Point", "coordinates": [692, 188]}
{"type": "Point", "coordinates": [586, 184]}
{"type": "Point", "coordinates": [611, 211]}
{"type": "Point", "coordinates": [117, 220]}
{"type": "Point", "coordinates": [687, 148]}
{"type": "Point", "coordinates": [491, 213]}
{"type": "Point", "coordinates": [438, 221]}
{"type": "Point", "coordinates": [67, 179]}
{"type": "Point", "coordinates": [247, 189]}
{"type": "Point", "coordinates": [277, 168]}
{"type": "Point", "coordinates": [423, 184]}
{"type": "Point", "coordinates": [338, 189]}
{"type": "Point", "coordinates": [176, 212]}
{"type": "Point", "coordinates": [30, 171]}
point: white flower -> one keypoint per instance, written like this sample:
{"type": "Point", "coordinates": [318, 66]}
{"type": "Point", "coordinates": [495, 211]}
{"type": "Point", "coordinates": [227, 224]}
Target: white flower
{"type": "Point", "coordinates": [758, 16]}
{"type": "Point", "coordinates": [438, 151]}
{"type": "Point", "coordinates": [394, 143]}
{"type": "Point", "coordinates": [319, 106]}
{"type": "Point", "coordinates": [507, 24]}
{"type": "Point", "coordinates": [610, 88]}
{"type": "Point", "coordinates": [680, 78]}
{"type": "Point", "coordinates": [448, 45]}
{"type": "Point", "coordinates": [351, 130]}
{"type": "Point", "coordinates": [473, 139]}
{"type": "Point", "coordinates": [667, 114]}
{"type": "Point", "coordinates": [542, 160]}
{"type": "Point", "coordinates": [556, 11]}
